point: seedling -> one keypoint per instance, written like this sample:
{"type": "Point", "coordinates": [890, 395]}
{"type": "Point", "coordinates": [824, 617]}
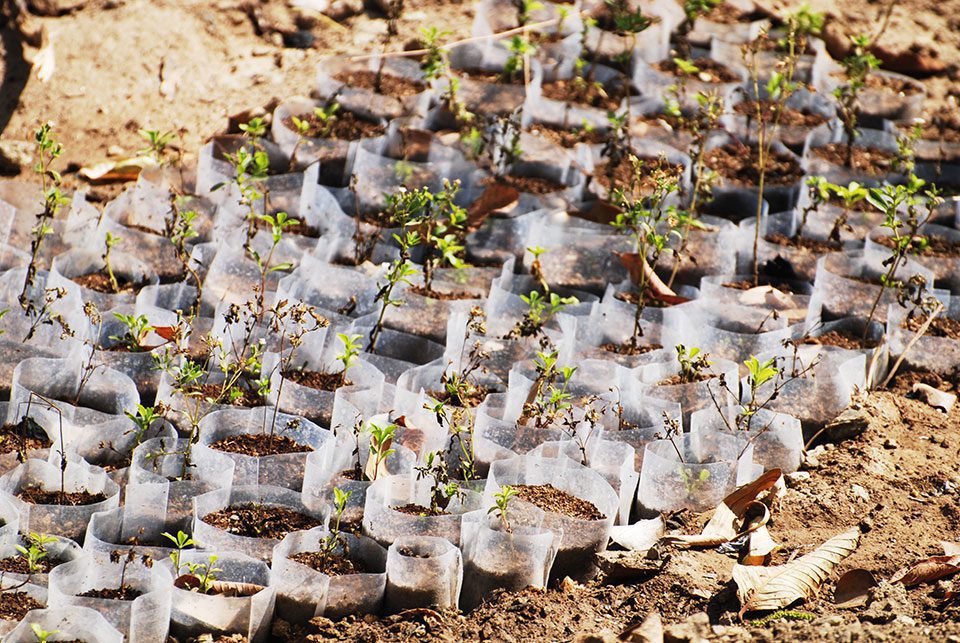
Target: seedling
{"type": "Point", "coordinates": [693, 363]}
{"type": "Point", "coordinates": [694, 482]}
{"type": "Point", "coordinates": [35, 551]}
{"type": "Point", "coordinates": [700, 125]}
{"type": "Point", "coordinates": [460, 425]}
{"type": "Point", "coordinates": [520, 49]}
{"type": "Point", "coordinates": [180, 542]}
{"type": "Point", "coordinates": [180, 230]}
{"type": "Point", "coordinates": [433, 221]}
{"type": "Point", "coordinates": [333, 540]}
{"type": "Point", "coordinates": [460, 384]}
{"type": "Point", "coordinates": [143, 420]}
{"type": "Point", "coordinates": [42, 635]}
{"type": "Point", "coordinates": [351, 350]}
{"type": "Point", "coordinates": [381, 437]}
{"type": "Point", "coordinates": [501, 505]}
{"type": "Point", "coordinates": [548, 402]}
{"type": "Point", "coordinates": [326, 116]}
{"type": "Point", "coordinates": [905, 161]}
{"type": "Point", "coordinates": [857, 65]}
{"type": "Point", "coordinates": [692, 10]}
{"type": "Point", "coordinates": [88, 365]}
{"type": "Point", "coordinates": [779, 88]}
{"type": "Point", "coordinates": [205, 573]}
{"type": "Point", "coordinates": [905, 233]}
{"type": "Point", "coordinates": [435, 66]}
{"type": "Point", "coordinates": [157, 144]}
{"type": "Point", "coordinates": [442, 489]}
{"type": "Point", "coordinates": [48, 151]}
{"type": "Point", "coordinates": [400, 271]}
{"type": "Point", "coordinates": [138, 327]}
{"type": "Point", "coordinates": [850, 195]}
{"type": "Point", "coordinates": [650, 224]}
{"type": "Point", "coordinates": [255, 129]}
{"type": "Point", "coordinates": [818, 190]}
{"type": "Point", "coordinates": [524, 9]}
{"type": "Point", "coordinates": [540, 310]}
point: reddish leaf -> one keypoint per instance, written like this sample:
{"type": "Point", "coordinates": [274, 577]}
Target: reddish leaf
{"type": "Point", "coordinates": [640, 270]}
{"type": "Point", "coordinates": [166, 332]}
{"type": "Point", "coordinates": [496, 197]}
{"type": "Point", "coordinates": [927, 570]}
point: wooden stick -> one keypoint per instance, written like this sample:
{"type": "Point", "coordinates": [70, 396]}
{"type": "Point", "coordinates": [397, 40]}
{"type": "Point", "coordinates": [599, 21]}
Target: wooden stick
{"type": "Point", "coordinates": [913, 340]}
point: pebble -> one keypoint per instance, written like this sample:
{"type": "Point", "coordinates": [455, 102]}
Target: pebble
{"type": "Point", "coordinates": [793, 479]}
{"type": "Point", "coordinates": [890, 443]}
{"type": "Point", "coordinates": [15, 155]}
{"type": "Point", "coordinates": [860, 493]}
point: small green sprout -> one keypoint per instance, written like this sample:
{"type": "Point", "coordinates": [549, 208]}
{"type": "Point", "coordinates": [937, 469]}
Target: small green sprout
{"type": "Point", "coordinates": [501, 503]}
{"type": "Point", "coordinates": [138, 327]}
{"type": "Point", "coordinates": [110, 241]}
{"type": "Point", "coordinates": [36, 551]}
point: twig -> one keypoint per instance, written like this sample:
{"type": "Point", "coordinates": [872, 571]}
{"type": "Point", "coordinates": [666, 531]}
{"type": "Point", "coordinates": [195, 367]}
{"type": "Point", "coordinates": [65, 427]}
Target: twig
{"type": "Point", "coordinates": [913, 340]}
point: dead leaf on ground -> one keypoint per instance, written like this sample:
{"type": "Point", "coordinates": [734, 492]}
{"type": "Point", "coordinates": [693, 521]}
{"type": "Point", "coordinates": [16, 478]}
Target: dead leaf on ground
{"type": "Point", "coordinates": [495, 197]}
{"type": "Point", "coordinates": [728, 521]}
{"type": "Point", "coordinates": [760, 547]}
{"type": "Point", "coordinates": [639, 536]}
{"type": "Point", "coordinates": [774, 588]}
{"type": "Point", "coordinates": [640, 270]}
{"type": "Point", "coordinates": [930, 569]}
{"type": "Point", "coordinates": [853, 588]}
{"type": "Point", "coordinates": [940, 400]}
{"type": "Point", "coordinates": [122, 170]}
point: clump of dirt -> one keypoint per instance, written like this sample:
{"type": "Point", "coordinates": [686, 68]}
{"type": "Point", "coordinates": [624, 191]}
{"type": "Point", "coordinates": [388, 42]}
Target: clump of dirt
{"type": "Point", "coordinates": [634, 181]}
{"type": "Point", "coordinates": [37, 496]}
{"type": "Point", "coordinates": [673, 380]}
{"type": "Point", "coordinates": [248, 398]}
{"type": "Point", "coordinates": [817, 246]}
{"type": "Point", "coordinates": [346, 126]}
{"type": "Point", "coordinates": [395, 86]}
{"type": "Point", "coordinates": [709, 70]}
{"type": "Point", "coordinates": [24, 436]}
{"type": "Point", "coordinates": [842, 339]}
{"type": "Point", "coordinates": [568, 137]}
{"type": "Point", "coordinates": [15, 605]}
{"type": "Point", "coordinates": [316, 380]}
{"type": "Point", "coordinates": [413, 509]}
{"type": "Point", "coordinates": [331, 564]}
{"type": "Point", "coordinates": [939, 327]}
{"type": "Point", "coordinates": [124, 593]}
{"type": "Point", "coordinates": [627, 348]}
{"type": "Point", "coordinates": [259, 445]}
{"type": "Point", "coordinates": [585, 93]}
{"type": "Point", "coordinates": [865, 159]}
{"type": "Point", "coordinates": [936, 246]}
{"type": "Point", "coordinates": [740, 164]}
{"type": "Point", "coordinates": [260, 521]}
{"type": "Point", "coordinates": [789, 117]}
{"type": "Point", "coordinates": [100, 282]}
{"type": "Point", "coordinates": [549, 498]}
{"type": "Point", "coordinates": [530, 184]}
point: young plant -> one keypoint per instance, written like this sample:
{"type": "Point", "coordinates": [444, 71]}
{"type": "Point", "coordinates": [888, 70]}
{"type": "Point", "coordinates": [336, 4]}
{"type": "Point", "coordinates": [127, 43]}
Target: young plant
{"type": "Point", "coordinates": [779, 88]}
{"type": "Point", "coordinates": [501, 505]}
{"type": "Point", "coordinates": [693, 363]}
{"type": "Point", "coordinates": [818, 191]}
{"type": "Point", "coordinates": [442, 489]}
{"type": "Point", "coordinates": [520, 51]}
{"type": "Point", "coordinates": [180, 542]}
{"type": "Point", "coordinates": [857, 65]}
{"type": "Point", "coordinates": [435, 67]}
{"type": "Point", "coordinates": [351, 350]}
{"type": "Point", "coordinates": [42, 635]}
{"type": "Point", "coordinates": [48, 151]}
{"type": "Point", "coordinates": [700, 125]}
{"type": "Point", "coordinates": [850, 195]}
{"type": "Point", "coordinates": [540, 309]}
{"type": "Point", "coordinates": [326, 117]}
{"type": "Point", "coordinates": [904, 232]}
{"type": "Point", "coordinates": [333, 540]}
{"type": "Point", "coordinates": [692, 11]}
{"type": "Point", "coordinates": [204, 573]}
{"type": "Point", "coordinates": [649, 223]}
{"type": "Point", "coordinates": [157, 144]}
{"type": "Point", "coordinates": [524, 9]}
{"type": "Point", "coordinates": [35, 551]}
{"type": "Point", "coordinates": [434, 222]}
{"type": "Point", "coordinates": [180, 229]}
{"type": "Point", "coordinates": [399, 272]}
{"type": "Point", "coordinates": [137, 329]}
{"type": "Point", "coordinates": [549, 401]}
{"type": "Point", "coordinates": [381, 439]}
{"type": "Point", "coordinates": [143, 420]}
{"type": "Point", "coordinates": [460, 384]}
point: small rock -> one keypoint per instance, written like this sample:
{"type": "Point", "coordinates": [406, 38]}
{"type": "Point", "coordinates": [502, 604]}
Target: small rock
{"type": "Point", "coordinates": [603, 636]}
{"type": "Point", "coordinates": [850, 423]}
{"type": "Point", "coordinates": [115, 150]}
{"type": "Point", "coordinates": [14, 156]}
{"type": "Point", "coordinates": [866, 524]}
{"type": "Point", "coordinates": [299, 40]}
{"type": "Point", "coordinates": [940, 400]}
{"type": "Point", "coordinates": [695, 629]}
{"type": "Point", "coordinates": [890, 444]}
{"type": "Point", "coordinates": [860, 493]}
{"type": "Point", "coordinates": [343, 9]}
{"type": "Point", "coordinates": [795, 478]}
{"type": "Point", "coordinates": [55, 7]}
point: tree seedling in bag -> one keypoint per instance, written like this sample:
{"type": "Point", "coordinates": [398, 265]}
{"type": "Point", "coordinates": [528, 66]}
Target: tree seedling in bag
{"type": "Point", "coordinates": [857, 65]}
{"type": "Point", "coordinates": [442, 488]}
{"type": "Point", "coordinates": [35, 551]}
{"type": "Point", "coordinates": [137, 329]}
{"type": "Point", "coordinates": [501, 505]}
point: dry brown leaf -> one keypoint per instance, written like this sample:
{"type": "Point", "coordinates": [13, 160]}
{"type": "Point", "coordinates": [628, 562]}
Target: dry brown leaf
{"type": "Point", "coordinates": [760, 547]}
{"type": "Point", "coordinates": [728, 518]}
{"type": "Point", "coordinates": [927, 570]}
{"type": "Point", "coordinates": [853, 588]}
{"type": "Point", "coordinates": [122, 170]}
{"type": "Point", "coordinates": [495, 197]}
{"type": "Point", "coordinates": [639, 270]}
{"type": "Point", "coordinates": [773, 588]}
